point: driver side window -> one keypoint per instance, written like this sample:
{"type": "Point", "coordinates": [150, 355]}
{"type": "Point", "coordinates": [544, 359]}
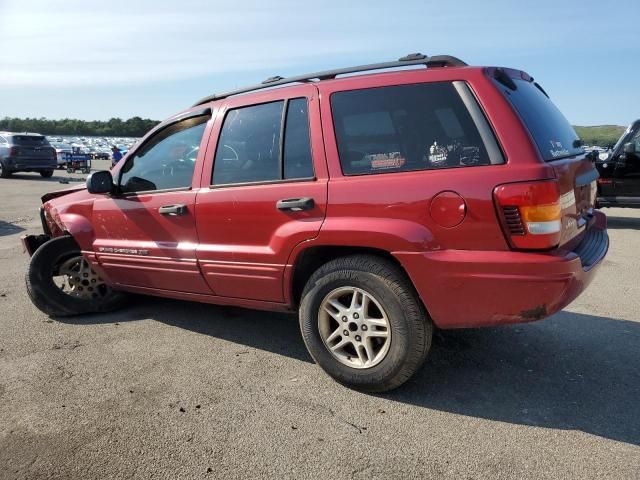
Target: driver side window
{"type": "Point", "coordinates": [166, 160]}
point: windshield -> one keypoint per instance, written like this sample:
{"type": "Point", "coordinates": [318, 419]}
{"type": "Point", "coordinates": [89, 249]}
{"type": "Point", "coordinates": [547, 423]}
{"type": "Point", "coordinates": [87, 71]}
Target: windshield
{"type": "Point", "coordinates": [623, 137]}
{"type": "Point", "coordinates": [553, 134]}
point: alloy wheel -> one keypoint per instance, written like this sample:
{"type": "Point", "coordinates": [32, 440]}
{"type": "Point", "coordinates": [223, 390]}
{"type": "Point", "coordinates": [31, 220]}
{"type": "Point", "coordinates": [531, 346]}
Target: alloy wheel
{"type": "Point", "coordinates": [76, 278]}
{"type": "Point", "coordinates": [354, 327]}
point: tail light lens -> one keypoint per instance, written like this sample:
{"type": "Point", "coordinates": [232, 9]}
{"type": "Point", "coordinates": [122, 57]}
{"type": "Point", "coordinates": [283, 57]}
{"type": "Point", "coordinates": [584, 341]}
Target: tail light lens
{"type": "Point", "coordinates": [14, 151]}
{"type": "Point", "coordinates": [531, 213]}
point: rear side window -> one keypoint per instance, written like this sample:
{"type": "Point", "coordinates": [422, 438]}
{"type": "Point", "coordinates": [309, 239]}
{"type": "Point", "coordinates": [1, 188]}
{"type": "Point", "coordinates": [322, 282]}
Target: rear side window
{"type": "Point", "coordinates": [297, 141]}
{"type": "Point", "coordinates": [403, 128]}
{"type": "Point", "coordinates": [253, 147]}
{"type": "Point", "coordinates": [552, 133]}
{"type": "Point", "coordinates": [29, 140]}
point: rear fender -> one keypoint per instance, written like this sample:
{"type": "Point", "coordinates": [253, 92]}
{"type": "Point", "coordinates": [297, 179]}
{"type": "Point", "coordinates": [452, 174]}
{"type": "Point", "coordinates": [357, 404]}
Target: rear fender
{"type": "Point", "coordinates": [382, 234]}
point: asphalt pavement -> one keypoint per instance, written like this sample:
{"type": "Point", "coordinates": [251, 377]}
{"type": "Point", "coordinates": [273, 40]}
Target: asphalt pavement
{"type": "Point", "coordinates": [175, 390]}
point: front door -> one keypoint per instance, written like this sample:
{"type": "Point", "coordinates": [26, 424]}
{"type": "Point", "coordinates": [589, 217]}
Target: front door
{"type": "Point", "coordinates": [264, 190]}
{"type": "Point", "coordinates": [146, 232]}
{"type": "Point", "coordinates": [627, 173]}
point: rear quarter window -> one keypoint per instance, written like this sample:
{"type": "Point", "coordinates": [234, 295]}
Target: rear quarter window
{"type": "Point", "coordinates": [406, 128]}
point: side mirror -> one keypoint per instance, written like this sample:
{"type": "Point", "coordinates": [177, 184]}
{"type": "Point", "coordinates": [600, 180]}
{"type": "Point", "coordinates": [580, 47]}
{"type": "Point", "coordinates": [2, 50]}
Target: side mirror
{"type": "Point", "coordinates": [630, 147]}
{"type": "Point", "coordinates": [100, 182]}
{"type": "Point", "coordinates": [593, 155]}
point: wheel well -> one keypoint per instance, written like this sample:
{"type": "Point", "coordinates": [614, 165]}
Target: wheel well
{"type": "Point", "coordinates": [314, 257]}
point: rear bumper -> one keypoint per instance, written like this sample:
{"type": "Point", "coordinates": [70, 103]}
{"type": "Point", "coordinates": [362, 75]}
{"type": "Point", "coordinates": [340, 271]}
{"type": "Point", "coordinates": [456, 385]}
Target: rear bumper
{"type": "Point", "coordinates": [463, 288]}
{"type": "Point", "coordinates": [26, 164]}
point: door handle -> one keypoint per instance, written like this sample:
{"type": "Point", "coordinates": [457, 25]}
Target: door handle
{"type": "Point", "coordinates": [295, 204]}
{"type": "Point", "coordinates": [173, 210]}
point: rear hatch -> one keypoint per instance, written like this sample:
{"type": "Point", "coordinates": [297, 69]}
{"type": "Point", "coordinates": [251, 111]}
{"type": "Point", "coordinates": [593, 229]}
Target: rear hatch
{"type": "Point", "coordinates": [33, 146]}
{"type": "Point", "coordinates": [559, 146]}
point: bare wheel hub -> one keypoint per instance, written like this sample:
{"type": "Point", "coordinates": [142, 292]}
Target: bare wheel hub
{"type": "Point", "coordinates": [354, 327]}
{"type": "Point", "coordinates": [76, 278]}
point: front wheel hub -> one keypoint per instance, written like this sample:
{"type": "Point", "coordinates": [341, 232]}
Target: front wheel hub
{"type": "Point", "coordinates": [76, 278]}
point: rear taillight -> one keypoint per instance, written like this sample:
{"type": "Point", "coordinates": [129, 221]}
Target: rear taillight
{"type": "Point", "coordinates": [531, 213]}
{"type": "Point", "coordinates": [14, 151]}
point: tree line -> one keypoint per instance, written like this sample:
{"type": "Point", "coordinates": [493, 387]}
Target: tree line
{"type": "Point", "coordinates": [114, 127]}
{"type": "Point", "coordinates": [602, 135]}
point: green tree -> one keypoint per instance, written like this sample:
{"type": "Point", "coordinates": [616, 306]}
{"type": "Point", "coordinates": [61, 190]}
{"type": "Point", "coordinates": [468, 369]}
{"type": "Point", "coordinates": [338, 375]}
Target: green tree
{"type": "Point", "coordinates": [114, 127]}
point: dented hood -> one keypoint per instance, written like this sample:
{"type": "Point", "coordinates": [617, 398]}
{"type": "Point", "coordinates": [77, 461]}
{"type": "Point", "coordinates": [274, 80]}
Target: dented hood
{"type": "Point", "coordinates": [59, 193]}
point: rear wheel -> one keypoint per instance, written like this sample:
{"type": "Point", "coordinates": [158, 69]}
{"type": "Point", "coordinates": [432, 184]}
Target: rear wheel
{"type": "Point", "coordinates": [363, 323]}
{"type": "Point", "coordinates": [60, 281]}
{"type": "Point", "coordinates": [46, 173]}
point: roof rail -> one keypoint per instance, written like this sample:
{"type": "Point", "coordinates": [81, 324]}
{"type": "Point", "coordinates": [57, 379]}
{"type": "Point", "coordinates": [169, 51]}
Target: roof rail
{"type": "Point", "coordinates": [411, 59]}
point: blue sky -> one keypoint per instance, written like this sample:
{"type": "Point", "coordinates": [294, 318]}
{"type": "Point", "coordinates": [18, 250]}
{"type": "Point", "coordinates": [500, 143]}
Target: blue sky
{"type": "Point", "coordinates": [93, 59]}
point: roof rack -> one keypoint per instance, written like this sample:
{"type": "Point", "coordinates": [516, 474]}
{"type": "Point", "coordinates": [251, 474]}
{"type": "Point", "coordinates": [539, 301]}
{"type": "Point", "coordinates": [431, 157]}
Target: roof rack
{"type": "Point", "coordinates": [411, 59]}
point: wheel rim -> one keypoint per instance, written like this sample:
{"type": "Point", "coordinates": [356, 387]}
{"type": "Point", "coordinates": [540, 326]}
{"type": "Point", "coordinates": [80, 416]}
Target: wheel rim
{"type": "Point", "coordinates": [76, 278]}
{"type": "Point", "coordinates": [354, 327]}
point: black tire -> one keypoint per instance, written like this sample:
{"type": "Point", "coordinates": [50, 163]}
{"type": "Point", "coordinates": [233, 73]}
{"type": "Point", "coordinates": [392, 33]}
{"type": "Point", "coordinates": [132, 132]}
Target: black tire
{"type": "Point", "coordinates": [48, 297]}
{"type": "Point", "coordinates": [411, 327]}
{"type": "Point", "coordinates": [46, 173]}
{"type": "Point", "coordinates": [4, 172]}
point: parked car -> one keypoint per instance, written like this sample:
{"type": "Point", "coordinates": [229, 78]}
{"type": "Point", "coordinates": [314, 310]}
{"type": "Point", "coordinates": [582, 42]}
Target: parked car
{"type": "Point", "coordinates": [619, 182]}
{"type": "Point", "coordinates": [377, 206]}
{"type": "Point", "coordinates": [62, 149]}
{"type": "Point", "coordinates": [26, 152]}
{"type": "Point", "coordinates": [98, 155]}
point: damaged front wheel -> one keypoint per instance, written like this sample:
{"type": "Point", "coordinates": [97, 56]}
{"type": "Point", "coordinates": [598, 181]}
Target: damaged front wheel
{"type": "Point", "coordinates": [60, 281]}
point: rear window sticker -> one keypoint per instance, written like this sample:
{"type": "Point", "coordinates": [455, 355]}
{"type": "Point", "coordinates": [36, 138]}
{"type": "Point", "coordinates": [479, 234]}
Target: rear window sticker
{"type": "Point", "coordinates": [382, 161]}
{"type": "Point", "coordinates": [557, 150]}
{"type": "Point", "coordinates": [437, 154]}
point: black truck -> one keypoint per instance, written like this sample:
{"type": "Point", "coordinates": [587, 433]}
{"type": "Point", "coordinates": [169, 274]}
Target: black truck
{"type": "Point", "coordinates": [619, 182]}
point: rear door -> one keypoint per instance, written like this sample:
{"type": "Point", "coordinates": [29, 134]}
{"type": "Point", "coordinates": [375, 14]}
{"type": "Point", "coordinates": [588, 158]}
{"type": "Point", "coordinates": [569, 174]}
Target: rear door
{"type": "Point", "coordinates": [145, 234]}
{"type": "Point", "coordinates": [264, 190]}
{"type": "Point", "coordinates": [558, 145]}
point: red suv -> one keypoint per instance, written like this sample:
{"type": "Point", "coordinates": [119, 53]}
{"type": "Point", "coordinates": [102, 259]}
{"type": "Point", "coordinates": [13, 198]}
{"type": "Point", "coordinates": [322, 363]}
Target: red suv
{"type": "Point", "coordinates": [378, 205]}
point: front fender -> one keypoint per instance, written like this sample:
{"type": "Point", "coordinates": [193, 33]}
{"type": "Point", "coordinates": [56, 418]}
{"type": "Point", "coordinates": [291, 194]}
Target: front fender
{"type": "Point", "coordinates": [79, 227]}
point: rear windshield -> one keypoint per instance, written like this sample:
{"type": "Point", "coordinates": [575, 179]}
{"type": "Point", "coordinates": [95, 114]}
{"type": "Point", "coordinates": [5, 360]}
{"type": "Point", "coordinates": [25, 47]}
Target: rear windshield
{"type": "Point", "coordinates": [29, 140]}
{"type": "Point", "coordinates": [553, 134]}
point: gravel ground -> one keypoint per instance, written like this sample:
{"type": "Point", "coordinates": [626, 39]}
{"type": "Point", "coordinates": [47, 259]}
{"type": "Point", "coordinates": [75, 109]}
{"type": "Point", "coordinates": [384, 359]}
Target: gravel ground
{"type": "Point", "coordinates": [169, 389]}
